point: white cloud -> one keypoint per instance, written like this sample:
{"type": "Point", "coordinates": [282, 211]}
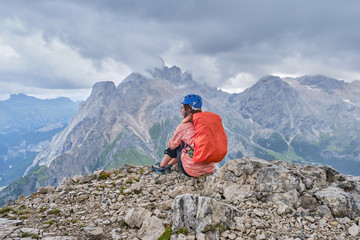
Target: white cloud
{"type": "Point", "coordinates": [29, 62]}
{"type": "Point", "coordinates": [8, 57]}
{"type": "Point", "coordinates": [204, 68]}
{"type": "Point", "coordinates": [228, 44]}
{"type": "Point", "coordinates": [7, 88]}
{"type": "Point", "coordinates": [299, 65]}
{"type": "Point", "coordinates": [238, 83]}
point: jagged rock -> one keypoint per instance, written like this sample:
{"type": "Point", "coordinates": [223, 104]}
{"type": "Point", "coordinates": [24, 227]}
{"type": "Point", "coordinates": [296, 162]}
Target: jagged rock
{"type": "Point", "coordinates": [94, 233]}
{"type": "Point", "coordinates": [152, 228]}
{"type": "Point", "coordinates": [29, 230]}
{"type": "Point", "coordinates": [8, 226]}
{"type": "Point", "coordinates": [200, 236]}
{"type": "Point", "coordinates": [223, 205]}
{"type": "Point", "coordinates": [283, 209]}
{"type": "Point", "coordinates": [309, 202]}
{"type": "Point", "coordinates": [290, 198]}
{"type": "Point", "coordinates": [45, 190]}
{"type": "Point", "coordinates": [20, 199]}
{"type": "Point", "coordinates": [201, 213]}
{"type": "Point", "coordinates": [76, 178]}
{"type": "Point", "coordinates": [179, 191]}
{"type": "Point", "coordinates": [165, 206]}
{"type": "Point", "coordinates": [354, 230]}
{"type": "Point", "coordinates": [87, 178]}
{"type": "Point", "coordinates": [251, 177]}
{"type": "Point", "coordinates": [233, 192]}
{"type": "Point", "coordinates": [324, 210]}
{"type": "Point", "coordinates": [136, 217]}
{"type": "Point", "coordinates": [340, 203]}
{"type": "Point", "coordinates": [276, 179]}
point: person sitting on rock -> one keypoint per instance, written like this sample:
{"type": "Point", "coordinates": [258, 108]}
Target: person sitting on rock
{"type": "Point", "coordinates": [181, 145]}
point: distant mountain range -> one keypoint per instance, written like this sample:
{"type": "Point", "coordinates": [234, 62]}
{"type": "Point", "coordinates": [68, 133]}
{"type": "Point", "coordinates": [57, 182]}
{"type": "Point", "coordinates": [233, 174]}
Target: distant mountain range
{"type": "Point", "coordinates": [310, 119]}
{"type": "Point", "coordinates": [27, 125]}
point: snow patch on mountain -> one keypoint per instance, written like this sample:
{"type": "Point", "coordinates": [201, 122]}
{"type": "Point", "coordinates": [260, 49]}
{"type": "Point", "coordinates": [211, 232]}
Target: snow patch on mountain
{"type": "Point", "coordinates": [348, 101]}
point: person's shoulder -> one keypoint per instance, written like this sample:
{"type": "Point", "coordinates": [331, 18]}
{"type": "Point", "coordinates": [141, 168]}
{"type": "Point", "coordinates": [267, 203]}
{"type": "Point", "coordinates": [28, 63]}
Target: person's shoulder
{"type": "Point", "coordinates": [183, 126]}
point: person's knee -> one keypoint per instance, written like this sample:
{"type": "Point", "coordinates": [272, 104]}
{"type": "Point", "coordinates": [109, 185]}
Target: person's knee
{"type": "Point", "coordinates": [171, 152]}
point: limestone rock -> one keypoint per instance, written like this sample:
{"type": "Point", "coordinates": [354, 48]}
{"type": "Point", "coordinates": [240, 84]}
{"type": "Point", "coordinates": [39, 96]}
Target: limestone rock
{"type": "Point", "coordinates": [94, 233]}
{"type": "Point", "coordinates": [236, 202]}
{"type": "Point", "coordinates": [136, 217]}
{"type": "Point", "coordinates": [290, 198]}
{"type": "Point", "coordinates": [354, 230]}
{"type": "Point", "coordinates": [340, 203]}
{"type": "Point", "coordinates": [45, 190]}
{"type": "Point", "coordinates": [278, 180]}
{"type": "Point", "coordinates": [201, 213]}
{"type": "Point", "coordinates": [179, 191]}
{"type": "Point", "coordinates": [152, 228]}
{"type": "Point", "coordinates": [87, 178]}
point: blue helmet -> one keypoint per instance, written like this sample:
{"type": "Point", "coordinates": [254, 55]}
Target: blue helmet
{"type": "Point", "coordinates": [193, 100]}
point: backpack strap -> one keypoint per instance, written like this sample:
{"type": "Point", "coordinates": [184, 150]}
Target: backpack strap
{"type": "Point", "coordinates": [187, 148]}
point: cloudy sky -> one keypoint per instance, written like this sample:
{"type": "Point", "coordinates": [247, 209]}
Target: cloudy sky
{"type": "Point", "coordinates": [61, 47]}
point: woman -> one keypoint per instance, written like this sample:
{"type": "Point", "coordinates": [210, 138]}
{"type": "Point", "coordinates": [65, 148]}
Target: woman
{"type": "Point", "coordinates": [181, 145]}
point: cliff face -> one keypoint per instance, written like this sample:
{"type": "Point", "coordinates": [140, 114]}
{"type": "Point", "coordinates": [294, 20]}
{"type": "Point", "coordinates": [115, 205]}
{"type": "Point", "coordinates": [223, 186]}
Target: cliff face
{"type": "Point", "coordinates": [128, 124]}
{"type": "Point", "coordinates": [247, 198]}
{"type": "Point", "coordinates": [274, 119]}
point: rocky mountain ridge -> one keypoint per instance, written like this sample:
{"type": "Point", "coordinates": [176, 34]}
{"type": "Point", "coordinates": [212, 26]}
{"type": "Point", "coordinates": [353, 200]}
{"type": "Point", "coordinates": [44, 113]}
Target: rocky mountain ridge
{"type": "Point", "coordinates": [247, 198]}
{"type": "Point", "coordinates": [286, 108]}
{"type": "Point", "coordinates": [301, 120]}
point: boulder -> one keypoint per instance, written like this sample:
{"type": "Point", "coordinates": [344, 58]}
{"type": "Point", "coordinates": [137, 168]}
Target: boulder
{"type": "Point", "coordinates": [180, 190]}
{"type": "Point", "coordinates": [354, 230]}
{"type": "Point", "coordinates": [135, 217]}
{"type": "Point", "coordinates": [244, 167]}
{"type": "Point", "coordinates": [201, 214]}
{"type": "Point", "coordinates": [152, 228]}
{"type": "Point", "coordinates": [290, 198]}
{"type": "Point", "coordinates": [341, 203]}
{"type": "Point", "coordinates": [94, 233]}
{"type": "Point", "coordinates": [87, 178]}
{"type": "Point", "coordinates": [233, 192]}
{"type": "Point", "coordinates": [277, 179]}
{"type": "Point", "coordinates": [45, 190]}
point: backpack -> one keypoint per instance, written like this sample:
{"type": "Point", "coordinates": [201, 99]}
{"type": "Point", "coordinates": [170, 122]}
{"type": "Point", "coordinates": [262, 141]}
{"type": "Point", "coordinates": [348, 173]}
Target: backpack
{"type": "Point", "coordinates": [210, 138]}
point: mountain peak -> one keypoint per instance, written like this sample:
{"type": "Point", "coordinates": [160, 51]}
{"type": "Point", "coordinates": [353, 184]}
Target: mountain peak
{"type": "Point", "coordinates": [20, 97]}
{"type": "Point", "coordinates": [172, 74]}
{"type": "Point", "coordinates": [103, 88]}
{"type": "Point", "coordinates": [270, 86]}
{"type": "Point", "coordinates": [322, 82]}
{"type": "Point", "coordinates": [269, 78]}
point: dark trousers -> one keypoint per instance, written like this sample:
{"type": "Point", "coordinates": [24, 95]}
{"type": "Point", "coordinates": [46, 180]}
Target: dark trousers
{"type": "Point", "coordinates": [176, 153]}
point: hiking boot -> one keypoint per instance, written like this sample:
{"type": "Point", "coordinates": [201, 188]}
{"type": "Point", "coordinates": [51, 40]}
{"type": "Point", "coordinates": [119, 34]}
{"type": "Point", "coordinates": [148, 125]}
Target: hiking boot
{"type": "Point", "coordinates": [156, 168]}
{"type": "Point", "coordinates": [168, 168]}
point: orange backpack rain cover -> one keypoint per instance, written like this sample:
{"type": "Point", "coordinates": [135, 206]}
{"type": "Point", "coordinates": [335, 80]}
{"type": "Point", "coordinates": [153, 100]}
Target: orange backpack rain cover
{"type": "Point", "coordinates": [210, 138]}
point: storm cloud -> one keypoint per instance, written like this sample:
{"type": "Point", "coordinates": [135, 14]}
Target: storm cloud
{"type": "Point", "coordinates": [61, 47]}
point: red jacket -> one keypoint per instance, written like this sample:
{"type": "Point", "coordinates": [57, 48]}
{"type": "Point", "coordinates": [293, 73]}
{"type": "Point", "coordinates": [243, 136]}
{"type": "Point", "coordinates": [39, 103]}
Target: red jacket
{"type": "Point", "coordinates": [186, 132]}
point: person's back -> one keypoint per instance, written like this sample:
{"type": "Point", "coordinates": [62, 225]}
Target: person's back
{"type": "Point", "coordinates": [182, 144]}
{"type": "Point", "coordinates": [185, 133]}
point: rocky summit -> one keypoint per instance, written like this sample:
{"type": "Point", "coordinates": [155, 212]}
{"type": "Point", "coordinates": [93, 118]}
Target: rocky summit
{"type": "Point", "coordinates": [247, 198]}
